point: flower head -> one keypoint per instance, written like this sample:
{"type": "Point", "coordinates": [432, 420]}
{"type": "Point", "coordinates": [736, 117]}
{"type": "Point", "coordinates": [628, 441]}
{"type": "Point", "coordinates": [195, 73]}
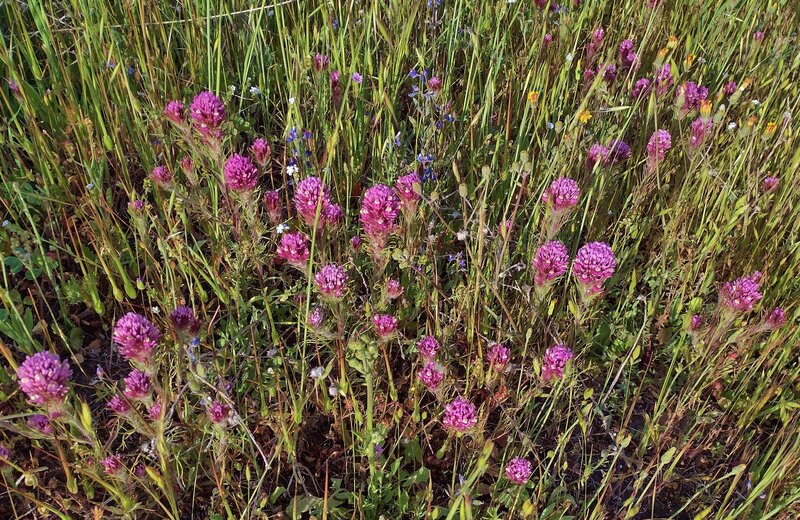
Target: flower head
{"type": "Point", "coordinates": [240, 173]}
{"type": "Point", "coordinates": [550, 262]}
{"type": "Point", "coordinates": [379, 210]}
{"type": "Point", "coordinates": [618, 152]}
{"type": "Point", "coordinates": [519, 470]}
{"type": "Point", "coordinates": [112, 465]}
{"type": "Point", "coordinates": [261, 151]}
{"type": "Point", "coordinates": [316, 317]}
{"type": "Point", "coordinates": [384, 324]}
{"type": "Point", "coordinates": [44, 378]}
{"type": "Point", "coordinates": [118, 405]}
{"type": "Point", "coordinates": [460, 415]}
{"type": "Point", "coordinates": [729, 88]}
{"type": "Point", "coordinates": [693, 94]}
{"type": "Point", "coordinates": [701, 128]}
{"type": "Point", "coordinates": [137, 385]}
{"type": "Point", "coordinates": [333, 214]}
{"type": "Point", "coordinates": [594, 263]}
{"type": "Point", "coordinates": [41, 423]}
{"type": "Point", "coordinates": [435, 83]}
{"type": "Point", "coordinates": [331, 280]}
{"type": "Point", "coordinates": [696, 322]}
{"type": "Point", "coordinates": [597, 154]}
{"type": "Point", "coordinates": [431, 375]}
{"type": "Point", "coordinates": [272, 202]}
{"type": "Point", "coordinates": [776, 319]}
{"type": "Point", "coordinates": [428, 347]}
{"type": "Point", "coordinates": [405, 188]}
{"type": "Point", "coordinates": [154, 413]}
{"type": "Point", "coordinates": [741, 294]}
{"type": "Point", "coordinates": [184, 320]}
{"type": "Point", "coordinates": [499, 355]}
{"type": "Point", "coordinates": [161, 176]}
{"type": "Point", "coordinates": [218, 412]}
{"type": "Point", "coordinates": [770, 183]}
{"type": "Point", "coordinates": [136, 337]}
{"type": "Point", "coordinates": [174, 111]}
{"type": "Point", "coordinates": [664, 79]}
{"type": "Point", "coordinates": [357, 78]}
{"type": "Point", "coordinates": [555, 359]}
{"type": "Point", "coordinates": [642, 86]}
{"type": "Point", "coordinates": [393, 288]}
{"type": "Point", "coordinates": [320, 62]}
{"type": "Point", "coordinates": [293, 248]}
{"type": "Point", "coordinates": [562, 194]}
{"type": "Point", "coordinates": [207, 112]}
{"type": "Point", "coordinates": [660, 142]}
{"type": "Point", "coordinates": [310, 195]}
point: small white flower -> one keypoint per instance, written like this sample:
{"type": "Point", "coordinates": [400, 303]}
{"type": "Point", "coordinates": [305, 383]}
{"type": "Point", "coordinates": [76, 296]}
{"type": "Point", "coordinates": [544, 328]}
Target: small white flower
{"type": "Point", "coordinates": [569, 57]}
{"type": "Point", "coordinates": [90, 186]}
{"type": "Point", "coordinates": [291, 100]}
{"type": "Point", "coordinates": [271, 352]}
{"type": "Point", "coordinates": [233, 89]}
{"type": "Point", "coordinates": [315, 373]}
{"type": "Point", "coordinates": [756, 102]}
{"type": "Point", "coordinates": [255, 90]}
{"type": "Point", "coordinates": [155, 309]}
{"type": "Point", "coordinates": [455, 214]}
{"type": "Point", "coordinates": [291, 170]}
{"type": "Point", "coordinates": [333, 390]}
{"type": "Point", "coordinates": [550, 125]}
{"type": "Point", "coordinates": [731, 125]}
{"type": "Point", "coordinates": [461, 235]}
{"type": "Point", "coordinates": [6, 223]}
{"type": "Point", "coordinates": [281, 229]}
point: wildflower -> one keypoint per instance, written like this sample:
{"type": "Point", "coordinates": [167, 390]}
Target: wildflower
{"type": "Point", "coordinates": [136, 205]}
{"type": "Point", "coordinates": [293, 248]}
{"type": "Point", "coordinates": [434, 84]}
{"type": "Point", "coordinates": [770, 183]}
{"type": "Point", "coordinates": [499, 355]}
{"type": "Point", "coordinates": [5, 455]}
{"type": "Point", "coordinates": [311, 194]}
{"type": "Point", "coordinates": [218, 412]}
{"type": "Point", "coordinates": [112, 465]}
{"type": "Point", "coordinates": [161, 176]}
{"type": "Point", "coordinates": [357, 78]}
{"type": "Point", "coordinates": [729, 88]}
{"type": "Point", "coordinates": [660, 142]}
{"type": "Point", "coordinates": [272, 202]}
{"type": "Point", "coordinates": [664, 79]}
{"type": "Point", "coordinates": [562, 194]}
{"type": "Point", "coordinates": [393, 289]}
{"type": "Point", "coordinates": [208, 113]}
{"type": "Point", "coordinates": [696, 322]}
{"type": "Point", "coordinates": [316, 373]}
{"type": "Point", "coordinates": [769, 131]}
{"type": "Point", "coordinates": [136, 337]}
{"type": "Point", "coordinates": [460, 415]}
{"type": "Point", "coordinates": [519, 470]}
{"type": "Point", "coordinates": [315, 318]}
{"type": "Point", "coordinates": [555, 360]}
{"type": "Point", "coordinates": [13, 86]}
{"type": "Point", "coordinates": [118, 405]}
{"type": "Point", "coordinates": [40, 423]}
{"type": "Point", "coordinates": [137, 385]}
{"type": "Point", "coordinates": [584, 116]}
{"type": "Point", "coordinates": [240, 173]}
{"type": "Point", "coordinates": [533, 97]}
{"type": "Point", "coordinates": [641, 86]}
{"type": "Point", "coordinates": [594, 263]}
{"type": "Point", "coordinates": [379, 210]}
{"type": "Point", "coordinates": [44, 378]}
{"type": "Point", "coordinates": [406, 189]}
{"type": "Point", "coordinates": [431, 375]}
{"type": "Point", "coordinates": [550, 262]}
{"type": "Point", "coordinates": [320, 62]}
{"type": "Point", "coordinates": [154, 413]}
{"type": "Point", "coordinates": [597, 154]}
{"type": "Point", "coordinates": [184, 321]}
{"type": "Point", "coordinates": [609, 72]}
{"type": "Point", "coordinates": [254, 90]}
{"type": "Point", "coordinates": [758, 36]}
{"type": "Point", "coordinates": [740, 295]}
{"type": "Point", "coordinates": [187, 165]}
{"type": "Point", "coordinates": [261, 151]}
{"type": "Point", "coordinates": [776, 319]}
{"type": "Point", "coordinates": [701, 128]}
{"type": "Point", "coordinates": [385, 324]}
{"type": "Point", "coordinates": [618, 152]}
{"type": "Point", "coordinates": [174, 111]}
{"type": "Point", "coordinates": [692, 94]}
{"type": "Point", "coordinates": [355, 242]}
{"type": "Point", "coordinates": [333, 214]}
{"type": "Point", "coordinates": [428, 347]}
{"type": "Point", "coordinates": [331, 280]}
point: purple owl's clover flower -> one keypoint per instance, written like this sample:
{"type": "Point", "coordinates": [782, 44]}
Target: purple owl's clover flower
{"type": "Point", "coordinates": [384, 324]}
{"type": "Point", "coordinates": [550, 262]}
{"type": "Point", "coordinates": [184, 321]}
{"type": "Point", "coordinates": [136, 337]}
{"type": "Point", "coordinates": [240, 173]}
{"type": "Point", "coordinates": [555, 360]}
{"type": "Point", "coordinates": [207, 112]}
{"type": "Point", "coordinates": [44, 378]}
{"type": "Point", "coordinates": [428, 347]}
{"type": "Point", "coordinates": [740, 295]}
{"type": "Point", "coordinates": [594, 264]}
{"type": "Point", "coordinates": [137, 386]}
{"type": "Point", "coordinates": [431, 375]}
{"type": "Point", "coordinates": [657, 147]}
{"type": "Point", "coordinates": [161, 176]}
{"type": "Point", "coordinates": [519, 470]}
{"type": "Point", "coordinates": [460, 415]}
{"type": "Point", "coordinates": [219, 413]}
{"type": "Point", "coordinates": [293, 248]}
{"type": "Point", "coordinates": [562, 194]}
{"type": "Point", "coordinates": [310, 196]}
{"type": "Point", "coordinates": [272, 202]}
{"type": "Point", "coordinates": [408, 187]}
{"type": "Point", "coordinates": [378, 215]}
{"type": "Point", "coordinates": [499, 355]}
{"type": "Point", "coordinates": [261, 151]}
{"type": "Point", "coordinates": [174, 111]}
{"type": "Point", "coordinates": [331, 281]}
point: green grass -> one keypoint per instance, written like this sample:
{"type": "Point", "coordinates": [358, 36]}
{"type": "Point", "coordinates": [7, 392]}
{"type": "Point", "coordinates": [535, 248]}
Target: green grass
{"type": "Point", "coordinates": [648, 422]}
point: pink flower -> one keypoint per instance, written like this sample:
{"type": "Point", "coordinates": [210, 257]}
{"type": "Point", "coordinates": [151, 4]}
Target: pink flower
{"type": "Point", "coordinates": [379, 210]}
{"type": "Point", "coordinates": [154, 413]}
{"type": "Point", "coordinates": [333, 214]}
{"type": "Point", "coordinates": [405, 188]}
{"type": "Point", "coordinates": [729, 88]}
{"type": "Point", "coordinates": [594, 263]}
{"type": "Point", "coordinates": [331, 280]}
{"type": "Point", "coordinates": [186, 164]}
{"type": "Point", "coordinates": [499, 355]}
{"type": "Point", "coordinates": [112, 465]}
{"type": "Point", "coordinates": [431, 375]}
{"type": "Point", "coordinates": [435, 83]}
{"type": "Point", "coordinates": [701, 128]}
{"type": "Point", "coordinates": [770, 183]}
{"type": "Point", "coordinates": [776, 319]}
{"type": "Point", "coordinates": [741, 294]}
{"type": "Point", "coordinates": [642, 86]}
{"type": "Point", "coordinates": [161, 176]}
{"type": "Point", "coordinates": [118, 405]}
{"type": "Point", "coordinates": [550, 262]}
{"type": "Point", "coordinates": [393, 289]}
{"type": "Point", "coordinates": [41, 423]}
{"type": "Point", "coordinates": [555, 359]}
{"type": "Point", "coordinates": [218, 412]}
{"type": "Point", "coordinates": [311, 195]}
{"type": "Point", "coordinates": [428, 347]}
{"type": "Point", "coordinates": [355, 242]}
{"type": "Point", "coordinates": [660, 142]}
{"type": "Point", "coordinates": [174, 112]}
{"type": "Point", "coordinates": [272, 201]}
{"type": "Point", "coordinates": [460, 415]}
{"type": "Point", "coordinates": [184, 321]}
{"type": "Point", "coordinates": [519, 470]}
{"type": "Point", "coordinates": [597, 154]}
{"type": "Point", "coordinates": [208, 113]}
{"type": "Point", "coordinates": [663, 79]}
{"type": "Point", "coordinates": [294, 249]}
{"type": "Point", "coordinates": [758, 36]}
{"type": "Point", "coordinates": [44, 377]}
{"type": "Point", "coordinates": [136, 337]}
{"type": "Point", "coordinates": [261, 151]}
{"type": "Point", "coordinates": [137, 385]}
{"type": "Point", "coordinates": [384, 324]}
{"type": "Point", "coordinates": [618, 151]}
{"type": "Point", "coordinates": [240, 173]}
{"type": "Point", "coordinates": [316, 317]}
{"type": "Point", "coordinates": [696, 322]}
{"type": "Point", "coordinates": [320, 62]}
{"type": "Point", "coordinates": [693, 94]}
{"type": "Point", "coordinates": [562, 194]}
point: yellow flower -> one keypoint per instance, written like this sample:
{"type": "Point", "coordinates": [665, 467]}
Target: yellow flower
{"type": "Point", "coordinates": [584, 116]}
{"type": "Point", "coordinates": [705, 108]}
{"type": "Point", "coordinates": [662, 53]}
{"type": "Point", "coordinates": [746, 83]}
{"type": "Point", "coordinates": [672, 42]}
{"type": "Point", "coordinates": [533, 97]}
{"type": "Point", "coordinates": [771, 127]}
{"type": "Point", "coordinates": [689, 60]}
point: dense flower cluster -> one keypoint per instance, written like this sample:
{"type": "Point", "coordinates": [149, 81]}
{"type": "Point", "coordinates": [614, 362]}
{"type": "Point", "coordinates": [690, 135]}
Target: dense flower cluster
{"type": "Point", "coordinates": [41, 423]}
{"type": "Point", "coordinates": [293, 248]}
{"type": "Point", "coordinates": [161, 176]}
{"type": "Point", "coordinates": [240, 173]}
{"type": "Point", "coordinates": [550, 262]}
{"type": "Point", "coordinates": [331, 280]}
{"type": "Point", "coordinates": [136, 337]}
{"type": "Point", "coordinates": [555, 359]}
{"type": "Point", "coordinates": [316, 317]}
{"type": "Point", "coordinates": [701, 129]}
{"type": "Point", "coordinates": [405, 188]}
{"type": "Point", "coordinates": [310, 196]}
{"type": "Point", "coordinates": [776, 319]}
{"type": "Point", "coordinates": [741, 294]}
{"type": "Point", "coordinates": [218, 412]}
{"type": "Point", "coordinates": [379, 211]}
{"type": "Point", "coordinates": [207, 112]}
{"type": "Point", "coordinates": [174, 111]}
{"type": "Point", "coordinates": [118, 405]}
{"type": "Point", "coordinates": [184, 320]}
{"type": "Point", "coordinates": [137, 385]}
{"type": "Point", "coordinates": [428, 347]}
{"type": "Point", "coordinates": [260, 150]}
{"type": "Point", "coordinates": [460, 415]}
{"type": "Point", "coordinates": [393, 289]}
{"type": "Point", "coordinates": [112, 465]}
{"type": "Point", "coordinates": [499, 355]}
{"type": "Point", "coordinates": [431, 375]}
{"type": "Point", "coordinates": [658, 145]}
{"type": "Point", "coordinates": [562, 194]}
{"type": "Point", "coordinates": [272, 203]}
{"type": "Point", "coordinates": [594, 263]}
{"type": "Point", "coordinates": [519, 470]}
{"type": "Point", "coordinates": [384, 324]}
{"type": "Point", "coordinates": [44, 377]}
{"type": "Point", "coordinates": [692, 95]}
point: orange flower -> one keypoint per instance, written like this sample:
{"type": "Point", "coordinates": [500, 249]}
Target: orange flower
{"type": "Point", "coordinates": [533, 97]}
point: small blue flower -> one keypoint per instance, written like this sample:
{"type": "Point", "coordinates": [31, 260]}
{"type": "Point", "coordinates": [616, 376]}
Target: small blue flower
{"type": "Point", "coordinates": [413, 74]}
{"type": "Point", "coordinates": [292, 162]}
{"type": "Point", "coordinates": [90, 186]}
{"type": "Point", "coordinates": [131, 70]}
{"type": "Point", "coordinates": [111, 64]}
{"type": "Point", "coordinates": [335, 23]}
{"type": "Point", "coordinates": [292, 135]}
{"type": "Point", "coordinates": [307, 135]}
{"type": "Point", "coordinates": [397, 140]}
{"type": "Point", "coordinates": [439, 124]}
{"type": "Point", "coordinates": [6, 223]}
